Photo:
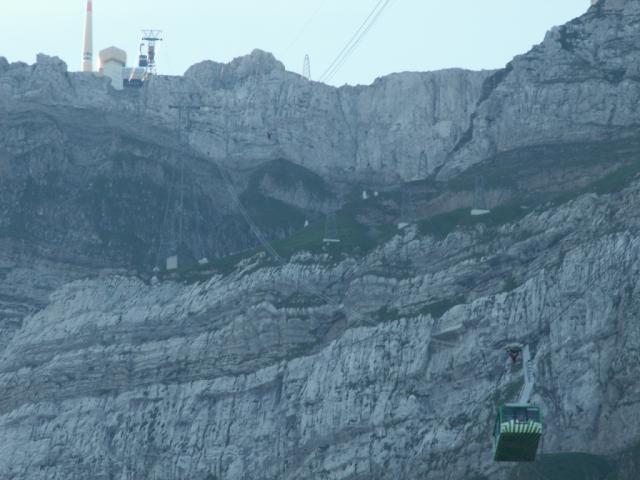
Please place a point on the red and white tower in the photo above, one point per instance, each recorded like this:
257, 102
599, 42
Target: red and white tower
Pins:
87, 55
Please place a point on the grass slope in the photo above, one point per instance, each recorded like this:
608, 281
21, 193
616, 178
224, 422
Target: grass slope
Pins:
566, 466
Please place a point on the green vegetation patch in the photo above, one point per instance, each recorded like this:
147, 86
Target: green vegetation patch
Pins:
438, 309
567, 466
386, 314
270, 213
442, 225
287, 175
510, 284
508, 169
616, 181
355, 239
300, 300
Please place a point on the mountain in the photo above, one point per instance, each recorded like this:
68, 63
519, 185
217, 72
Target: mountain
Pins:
378, 357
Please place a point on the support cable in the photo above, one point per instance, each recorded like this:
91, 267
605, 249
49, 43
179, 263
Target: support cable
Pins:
355, 40
359, 41
354, 37
305, 26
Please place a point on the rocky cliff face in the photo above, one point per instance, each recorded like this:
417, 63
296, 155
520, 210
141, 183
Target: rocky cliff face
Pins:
255, 375
376, 358
579, 85
252, 111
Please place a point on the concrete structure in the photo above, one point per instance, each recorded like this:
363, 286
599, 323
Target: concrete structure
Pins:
172, 263
478, 212
112, 63
134, 77
87, 53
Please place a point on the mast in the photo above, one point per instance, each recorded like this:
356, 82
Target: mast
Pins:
87, 55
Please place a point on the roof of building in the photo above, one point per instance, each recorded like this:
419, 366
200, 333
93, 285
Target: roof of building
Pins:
114, 54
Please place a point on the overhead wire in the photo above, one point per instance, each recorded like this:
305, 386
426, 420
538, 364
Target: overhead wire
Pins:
305, 26
355, 40
166, 228
355, 45
352, 39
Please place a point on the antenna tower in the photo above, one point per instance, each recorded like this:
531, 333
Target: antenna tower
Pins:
331, 229
479, 198
175, 212
148, 58
306, 69
423, 166
408, 212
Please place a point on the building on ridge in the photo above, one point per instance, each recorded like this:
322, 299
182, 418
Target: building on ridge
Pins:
113, 61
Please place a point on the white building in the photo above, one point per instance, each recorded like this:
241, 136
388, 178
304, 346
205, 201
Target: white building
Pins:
112, 63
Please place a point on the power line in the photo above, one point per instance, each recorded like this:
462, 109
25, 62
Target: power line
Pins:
173, 221
355, 45
355, 40
352, 39
305, 26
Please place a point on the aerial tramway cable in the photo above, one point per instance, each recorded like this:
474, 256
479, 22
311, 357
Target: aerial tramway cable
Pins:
352, 39
355, 40
305, 26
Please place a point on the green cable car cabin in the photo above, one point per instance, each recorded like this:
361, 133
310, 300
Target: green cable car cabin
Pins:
517, 433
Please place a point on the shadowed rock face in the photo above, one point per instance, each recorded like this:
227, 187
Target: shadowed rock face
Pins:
337, 366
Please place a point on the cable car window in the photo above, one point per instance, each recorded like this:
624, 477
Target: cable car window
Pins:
508, 414
533, 414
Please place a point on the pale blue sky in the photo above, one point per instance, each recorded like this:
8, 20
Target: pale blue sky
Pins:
416, 35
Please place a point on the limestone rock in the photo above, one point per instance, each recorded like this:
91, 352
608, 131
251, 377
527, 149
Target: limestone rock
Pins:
378, 363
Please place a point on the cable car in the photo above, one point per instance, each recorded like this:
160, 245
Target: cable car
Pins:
517, 433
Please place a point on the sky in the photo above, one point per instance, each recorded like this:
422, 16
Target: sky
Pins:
409, 35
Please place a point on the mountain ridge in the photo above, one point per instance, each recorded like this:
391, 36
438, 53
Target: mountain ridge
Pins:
378, 357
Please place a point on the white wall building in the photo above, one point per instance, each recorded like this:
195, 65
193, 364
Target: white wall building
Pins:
112, 63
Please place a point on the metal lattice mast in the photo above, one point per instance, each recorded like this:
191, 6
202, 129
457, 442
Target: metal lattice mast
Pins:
479, 201
174, 216
479, 198
408, 213
423, 166
184, 108
306, 69
331, 228
150, 38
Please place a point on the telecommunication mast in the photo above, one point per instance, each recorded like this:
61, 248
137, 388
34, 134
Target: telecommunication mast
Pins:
147, 58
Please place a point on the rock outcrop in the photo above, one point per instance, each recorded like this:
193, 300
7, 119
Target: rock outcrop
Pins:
380, 357
253, 111
263, 374
579, 85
